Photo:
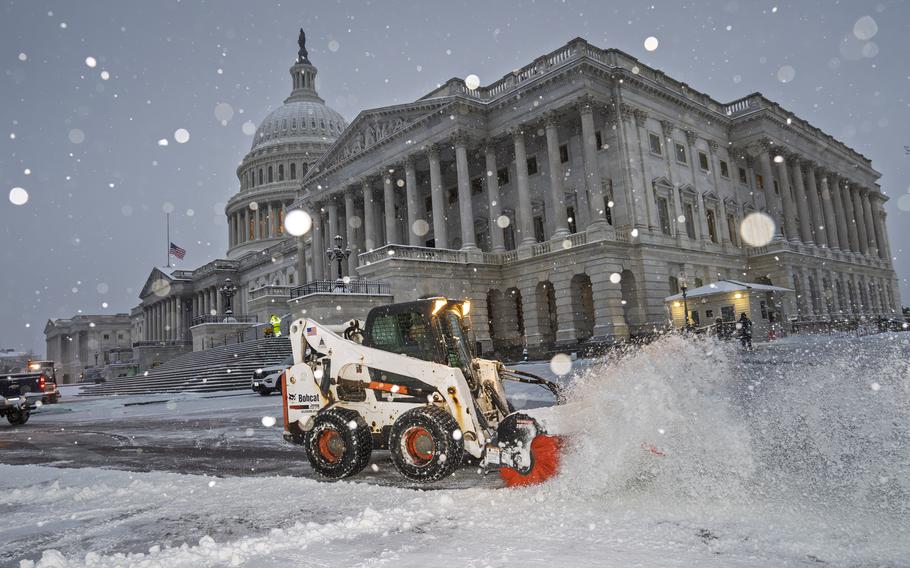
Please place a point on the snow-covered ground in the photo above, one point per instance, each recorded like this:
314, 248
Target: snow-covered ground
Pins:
794, 455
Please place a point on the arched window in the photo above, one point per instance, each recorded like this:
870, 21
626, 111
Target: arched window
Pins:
280, 172
293, 171
260, 176
304, 169
270, 175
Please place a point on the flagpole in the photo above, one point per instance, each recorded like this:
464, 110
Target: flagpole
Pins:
168, 217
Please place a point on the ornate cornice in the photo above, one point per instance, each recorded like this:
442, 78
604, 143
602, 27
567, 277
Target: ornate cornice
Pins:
691, 137
667, 128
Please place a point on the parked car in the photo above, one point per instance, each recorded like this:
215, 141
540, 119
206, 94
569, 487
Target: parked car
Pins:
892, 324
265, 381
20, 394
51, 394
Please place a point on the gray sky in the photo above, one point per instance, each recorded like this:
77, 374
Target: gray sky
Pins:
99, 182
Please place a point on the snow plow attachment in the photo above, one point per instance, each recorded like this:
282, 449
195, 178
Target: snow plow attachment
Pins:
523, 452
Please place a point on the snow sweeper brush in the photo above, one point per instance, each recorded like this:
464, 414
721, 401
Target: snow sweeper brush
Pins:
408, 381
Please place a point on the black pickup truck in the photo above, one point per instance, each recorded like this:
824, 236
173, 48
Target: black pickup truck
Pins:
20, 394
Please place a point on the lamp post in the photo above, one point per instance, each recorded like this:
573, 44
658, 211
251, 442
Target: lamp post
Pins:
338, 254
227, 292
684, 288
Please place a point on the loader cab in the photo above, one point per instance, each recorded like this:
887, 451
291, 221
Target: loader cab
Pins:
432, 329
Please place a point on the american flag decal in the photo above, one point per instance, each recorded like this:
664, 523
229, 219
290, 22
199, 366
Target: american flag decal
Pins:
177, 251
311, 330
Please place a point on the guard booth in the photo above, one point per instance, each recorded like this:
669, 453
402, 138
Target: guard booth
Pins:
727, 299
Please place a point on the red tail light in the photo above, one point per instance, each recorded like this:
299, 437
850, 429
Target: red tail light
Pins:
42, 382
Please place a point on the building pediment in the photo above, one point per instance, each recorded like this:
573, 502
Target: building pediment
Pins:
372, 127
158, 283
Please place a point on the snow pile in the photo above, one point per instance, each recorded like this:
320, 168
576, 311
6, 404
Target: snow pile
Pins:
658, 421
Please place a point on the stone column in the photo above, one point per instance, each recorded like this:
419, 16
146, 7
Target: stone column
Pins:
819, 223
349, 231
437, 195
557, 194
878, 224
822, 312
219, 301
301, 260
319, 240
332, 210
388, 202
802, 201
792, 233
850, 216
593, 180
465, 211
270, 222
246, 224
525, 223
639, 122
832, 183
869, 223
410, 183
497, 243
807, 293
772, 200
860, 219
369, 216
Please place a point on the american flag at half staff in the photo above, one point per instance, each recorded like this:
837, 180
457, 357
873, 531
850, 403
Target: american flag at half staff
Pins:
177, 251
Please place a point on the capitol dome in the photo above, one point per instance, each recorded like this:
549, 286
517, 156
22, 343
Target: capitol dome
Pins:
288, 141
301, 121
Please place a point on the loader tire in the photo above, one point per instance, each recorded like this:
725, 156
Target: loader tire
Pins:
17, 417
424, 445
339, 444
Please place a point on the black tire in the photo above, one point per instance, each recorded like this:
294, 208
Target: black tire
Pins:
264, 391
17, 417
424, 445
335, 449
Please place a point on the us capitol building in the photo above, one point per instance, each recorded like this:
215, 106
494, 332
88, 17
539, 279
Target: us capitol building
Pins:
567, 200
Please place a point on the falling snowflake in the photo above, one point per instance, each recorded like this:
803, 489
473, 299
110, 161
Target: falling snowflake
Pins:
297, 222
18, 196
561, 364
181, 136
90, 61
651, 43
268, 421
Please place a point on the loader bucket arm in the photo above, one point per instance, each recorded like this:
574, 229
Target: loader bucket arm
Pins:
532, 379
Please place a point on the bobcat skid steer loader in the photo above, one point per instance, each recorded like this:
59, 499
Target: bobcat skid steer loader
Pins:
408, 381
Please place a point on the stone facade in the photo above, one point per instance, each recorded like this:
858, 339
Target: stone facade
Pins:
567, 199
79, 342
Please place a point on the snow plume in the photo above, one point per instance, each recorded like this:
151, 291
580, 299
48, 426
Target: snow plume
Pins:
658, 421
809, 441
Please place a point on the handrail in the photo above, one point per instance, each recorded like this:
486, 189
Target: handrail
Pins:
222, 318
341, 287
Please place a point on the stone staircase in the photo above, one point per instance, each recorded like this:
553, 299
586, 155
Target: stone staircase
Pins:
229, 367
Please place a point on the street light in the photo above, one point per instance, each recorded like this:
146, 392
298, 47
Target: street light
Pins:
227, 292
338, 254
684, 288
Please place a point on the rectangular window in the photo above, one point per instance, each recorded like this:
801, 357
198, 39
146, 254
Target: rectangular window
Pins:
712, 229
564, 153
477, 186
607, 185
731, 228
654, 141
532, 165
674, 285
538, 229
743, 179
293, 171
703, 161
570, 216
764, 309
107, 336
709, 315
663, 215
598, 139
724, 169
699, 282
280, 172
502, 176
693, 315
508, 235
690, 221
727, 313
681, 153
